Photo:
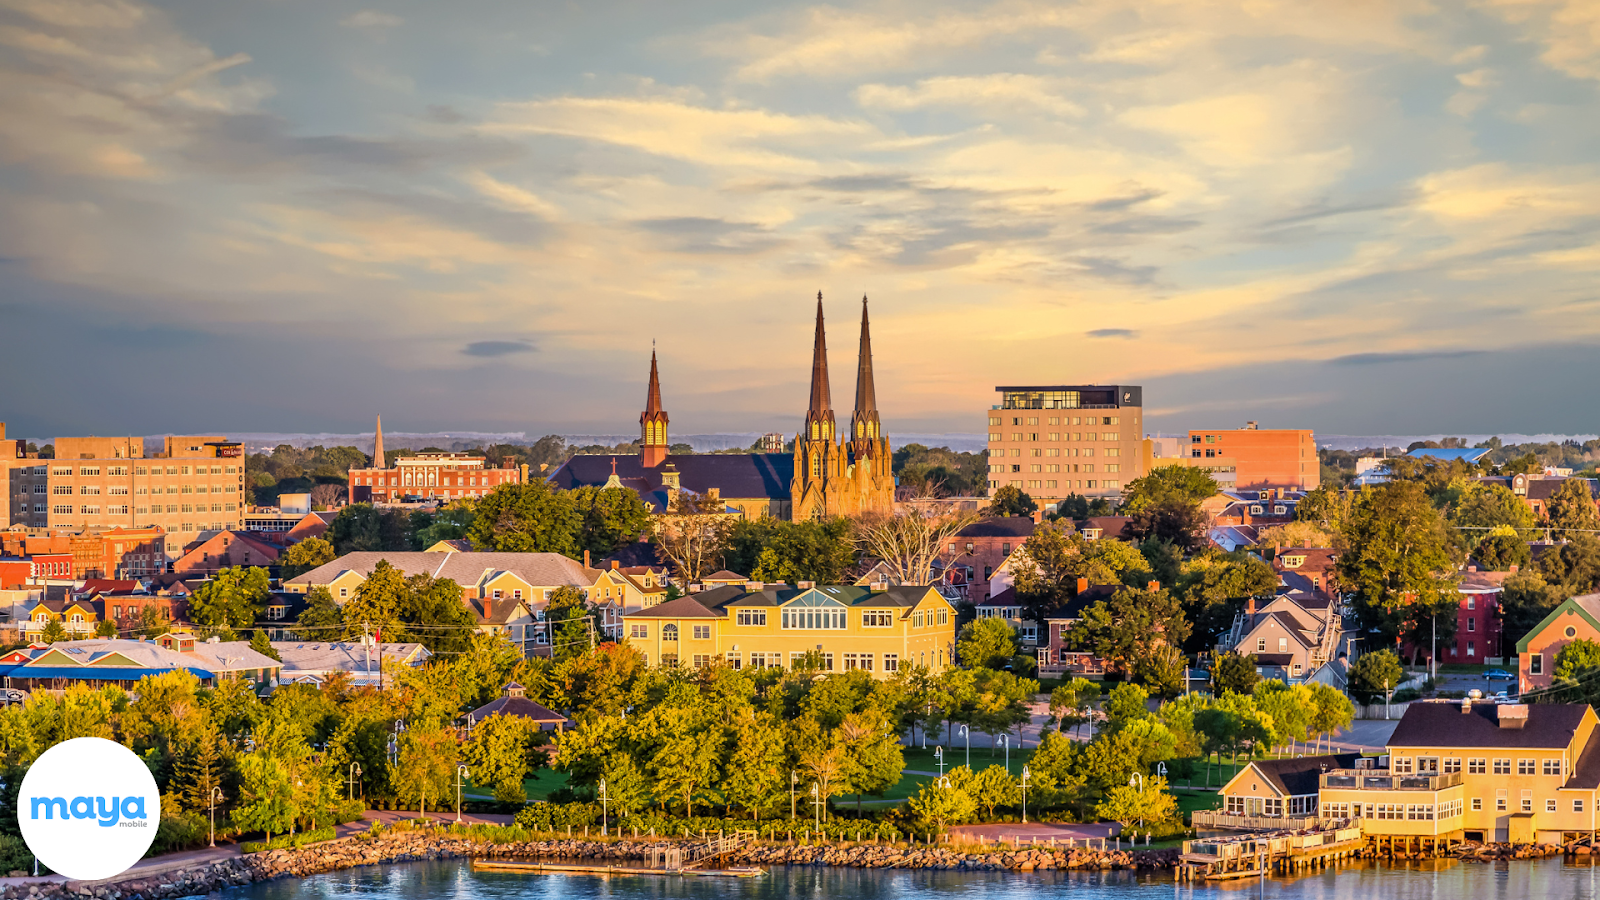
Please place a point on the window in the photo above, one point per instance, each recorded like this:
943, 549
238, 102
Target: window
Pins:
1552, 767
669, 632
638, 631
702, 660
1525, 766
1577, 806
1477, 804
702, 632
1527, 804
916, 619
1452, 764
812, 618
1401, 765
1550, 805
1536, 664
1476, 766
944, 617
1261, 645
1502, 767
344, 592
891, 663
877, 618
1500, 801
1472, 625
61, 510
752, 617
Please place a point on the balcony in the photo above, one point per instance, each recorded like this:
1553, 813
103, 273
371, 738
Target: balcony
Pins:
1221, 820
1385, 780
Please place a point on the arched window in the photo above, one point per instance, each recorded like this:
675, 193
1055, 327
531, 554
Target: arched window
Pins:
669, 632
816, 467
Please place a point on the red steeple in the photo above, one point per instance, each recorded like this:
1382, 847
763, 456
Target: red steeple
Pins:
819, 416
653, 422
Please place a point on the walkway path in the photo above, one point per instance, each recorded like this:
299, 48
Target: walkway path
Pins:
1037, 831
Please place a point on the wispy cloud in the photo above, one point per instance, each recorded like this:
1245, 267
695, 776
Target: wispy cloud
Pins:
491, 349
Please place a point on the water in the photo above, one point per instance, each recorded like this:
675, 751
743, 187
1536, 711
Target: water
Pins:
456, 881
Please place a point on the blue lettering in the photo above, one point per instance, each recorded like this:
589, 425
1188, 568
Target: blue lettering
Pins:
108, 816
49, 804
133, 808
83, 807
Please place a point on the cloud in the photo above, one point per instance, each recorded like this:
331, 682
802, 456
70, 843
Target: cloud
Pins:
1378, 359
1028, 93
1569, 30
372, 20
1112, 333
204, 70
491, 349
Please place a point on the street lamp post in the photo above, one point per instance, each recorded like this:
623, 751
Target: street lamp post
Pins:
461, 772
605, 820
1026, 774
967, 736
1137, 780
938, 757
216, 797
355, 773
816, 803
1005, 741
794, 779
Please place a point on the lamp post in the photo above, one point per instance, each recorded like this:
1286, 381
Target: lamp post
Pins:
794, 779
605, 819
355, 773
816, 803
1137, 780
967, 736
925, 726
938, 757
1005, 741
1026, 774
216, 797
461, 772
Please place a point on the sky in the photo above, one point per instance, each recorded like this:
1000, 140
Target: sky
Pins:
287, 215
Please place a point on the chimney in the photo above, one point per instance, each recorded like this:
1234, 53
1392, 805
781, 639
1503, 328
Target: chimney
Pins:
1153, 586
616, 564
586, 559
1250, 607
1472, 567
1514, 568
1083, 585
805, 585
488, 607
1512, 715
1038, 516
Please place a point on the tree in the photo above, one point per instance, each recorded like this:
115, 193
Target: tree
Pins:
570, 618
262, 645
687, 761
427, 764
233, 599
1127, 630
935, 807
1577, 659
321, 619
267, 795
872, 754
1186, 485
1500, 550
1394, 558
909, 543
693, 535
1148, 802
1125, 703
1072, 703
502, 752
1331, 710
362, 526
436, 603
987, 643
1009, 500
1374, 674
1320, 506
1571, 509
450, 523
528, 518
105, 629
377, 604
306, 555
1171, 519
1485, 505
611, 517
989, 788
774, 551
1234, 672
756, 770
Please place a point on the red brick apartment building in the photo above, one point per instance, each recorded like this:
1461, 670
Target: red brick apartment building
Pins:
1261, 457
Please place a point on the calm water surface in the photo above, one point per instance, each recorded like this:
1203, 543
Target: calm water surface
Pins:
437, 881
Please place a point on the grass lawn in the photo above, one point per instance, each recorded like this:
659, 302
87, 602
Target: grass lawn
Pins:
548, 782
982, 758
1189, 801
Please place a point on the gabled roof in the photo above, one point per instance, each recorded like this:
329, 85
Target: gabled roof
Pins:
465, 569
724, 575
1111, 527
1443, 724
521, 707
1585, 606
999, 526
736, 475
107, 586
1073, 609
344, 656
1297, 777
688, 606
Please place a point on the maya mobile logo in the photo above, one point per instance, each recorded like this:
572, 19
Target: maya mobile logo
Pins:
88, 808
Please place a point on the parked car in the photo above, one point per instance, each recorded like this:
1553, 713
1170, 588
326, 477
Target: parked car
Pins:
1501, 697
1499, 675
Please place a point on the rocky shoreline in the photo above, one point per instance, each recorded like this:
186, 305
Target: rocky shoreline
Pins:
419, 845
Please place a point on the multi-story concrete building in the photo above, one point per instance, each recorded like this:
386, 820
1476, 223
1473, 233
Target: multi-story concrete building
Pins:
1054, 441
193, 487
15, 498
1258, 457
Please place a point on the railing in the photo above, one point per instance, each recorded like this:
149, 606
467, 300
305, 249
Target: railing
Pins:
1386, 780
1221, 820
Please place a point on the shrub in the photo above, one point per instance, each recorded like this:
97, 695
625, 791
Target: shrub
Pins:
282, 841
14, 855
179, 832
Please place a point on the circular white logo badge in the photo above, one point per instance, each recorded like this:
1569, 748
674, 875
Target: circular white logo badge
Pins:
88, 808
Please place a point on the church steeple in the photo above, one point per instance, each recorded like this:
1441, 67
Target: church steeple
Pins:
864, 425
653, 422
378, 459
819, 415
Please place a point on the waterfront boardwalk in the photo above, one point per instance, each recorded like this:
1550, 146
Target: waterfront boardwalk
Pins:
1256, 855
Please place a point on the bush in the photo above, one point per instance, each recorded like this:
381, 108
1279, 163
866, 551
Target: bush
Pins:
284, 840
183, 831
14, 855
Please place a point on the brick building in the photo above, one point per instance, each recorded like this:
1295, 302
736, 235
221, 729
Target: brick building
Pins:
982, 547
194, 486
1260, 457
431, 476
224, 551
1053, 441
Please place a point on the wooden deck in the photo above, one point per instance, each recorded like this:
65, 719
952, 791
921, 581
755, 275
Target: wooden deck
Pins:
1257, 855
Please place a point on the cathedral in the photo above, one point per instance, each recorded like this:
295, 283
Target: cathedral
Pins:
848, 477
826, 475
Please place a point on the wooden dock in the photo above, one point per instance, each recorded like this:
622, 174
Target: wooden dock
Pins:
495, 865
1257, 855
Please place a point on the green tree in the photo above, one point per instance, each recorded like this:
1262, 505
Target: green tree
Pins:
528, 518
1485, 505
262, 645
233, 599
1148, 803
1577, 659
1109, 760
1186, 485
1571, 509
1394, 558
1129, 629
362, 526
436, 603
1125, 703
989, 788
611, 517
267, 795
1374, 674
450, 523
987, 643
1171, 520
1320, 506
756, 772
105, 629
306, 555
688, 759
1009, 500
569, 617
427, 762
1500, 551
935, 807
503, 752
1215, 587
321, 619
1234, 672
774, 551
378, 604
1072, 703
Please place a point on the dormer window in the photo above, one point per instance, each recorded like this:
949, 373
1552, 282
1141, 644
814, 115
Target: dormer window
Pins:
1257, 510
1279, 509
